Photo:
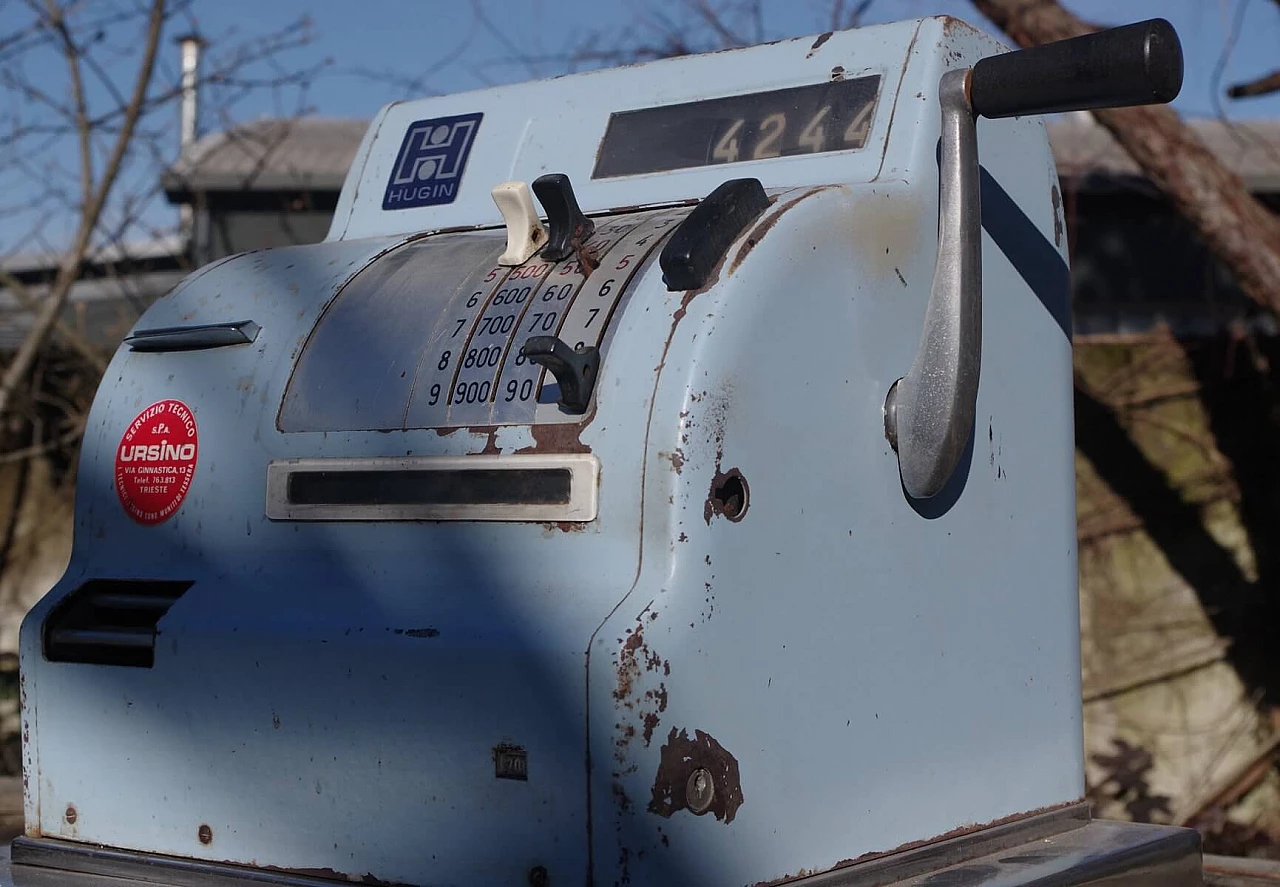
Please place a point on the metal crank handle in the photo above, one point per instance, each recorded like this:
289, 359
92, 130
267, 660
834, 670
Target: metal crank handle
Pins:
929, 412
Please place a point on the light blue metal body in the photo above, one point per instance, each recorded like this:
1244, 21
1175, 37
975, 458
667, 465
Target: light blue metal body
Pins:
328, 696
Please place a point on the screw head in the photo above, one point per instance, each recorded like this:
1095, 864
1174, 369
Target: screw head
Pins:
699, 791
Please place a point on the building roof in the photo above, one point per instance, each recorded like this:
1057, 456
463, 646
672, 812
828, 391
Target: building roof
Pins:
1085, 151
313, 154
165, 246
269, 154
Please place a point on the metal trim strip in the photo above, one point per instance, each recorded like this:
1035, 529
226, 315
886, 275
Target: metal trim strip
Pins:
581, 507
194, 338
1060, 848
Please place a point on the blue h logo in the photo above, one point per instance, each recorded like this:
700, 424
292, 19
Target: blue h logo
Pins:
429, 167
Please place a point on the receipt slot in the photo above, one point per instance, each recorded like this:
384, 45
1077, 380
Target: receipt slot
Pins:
660, 475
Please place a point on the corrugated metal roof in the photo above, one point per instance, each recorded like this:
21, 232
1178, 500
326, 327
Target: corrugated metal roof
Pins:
1085, 150
167, 246
271, 154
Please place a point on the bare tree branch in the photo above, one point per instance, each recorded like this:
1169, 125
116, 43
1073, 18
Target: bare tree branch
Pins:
90, 214
83, 131
1240, 231
1262, 86
73, 339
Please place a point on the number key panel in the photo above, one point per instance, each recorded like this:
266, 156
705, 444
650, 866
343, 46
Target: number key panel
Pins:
531, 302
428, 403
435, 330
600, 298
472, 391
516, 397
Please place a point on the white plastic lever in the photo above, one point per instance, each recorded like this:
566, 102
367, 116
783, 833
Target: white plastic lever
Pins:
525, 234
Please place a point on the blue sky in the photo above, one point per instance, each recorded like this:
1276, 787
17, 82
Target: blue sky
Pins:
373, 46
412, 37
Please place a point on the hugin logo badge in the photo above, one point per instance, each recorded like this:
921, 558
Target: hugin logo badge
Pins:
428, 169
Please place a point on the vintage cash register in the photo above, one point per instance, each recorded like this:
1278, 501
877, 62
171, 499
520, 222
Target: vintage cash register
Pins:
658, 476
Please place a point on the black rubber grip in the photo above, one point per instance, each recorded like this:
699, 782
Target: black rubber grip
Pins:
1137, 64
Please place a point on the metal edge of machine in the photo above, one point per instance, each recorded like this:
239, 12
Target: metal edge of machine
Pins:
1057, 847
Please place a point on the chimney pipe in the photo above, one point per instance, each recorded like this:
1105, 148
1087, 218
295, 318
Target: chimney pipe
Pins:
189, 125
190, 120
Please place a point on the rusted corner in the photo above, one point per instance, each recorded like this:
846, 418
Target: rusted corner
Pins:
680, 756
951, 26
817, 44
959, 832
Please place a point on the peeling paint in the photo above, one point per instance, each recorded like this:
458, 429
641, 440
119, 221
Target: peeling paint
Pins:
817, 44
729, 496
680, 757
1055, 196
419, 632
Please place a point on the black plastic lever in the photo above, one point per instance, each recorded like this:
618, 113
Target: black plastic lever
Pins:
701, 240
1138, 64
575, 370
569, 227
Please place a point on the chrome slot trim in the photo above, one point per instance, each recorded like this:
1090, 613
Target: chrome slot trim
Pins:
542, 487
194, 338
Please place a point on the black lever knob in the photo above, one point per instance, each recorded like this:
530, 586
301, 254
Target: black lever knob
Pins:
575, 369
1137, 64
702, 239
569, 227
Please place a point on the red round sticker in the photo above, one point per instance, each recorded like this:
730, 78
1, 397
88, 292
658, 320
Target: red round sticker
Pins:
156, 461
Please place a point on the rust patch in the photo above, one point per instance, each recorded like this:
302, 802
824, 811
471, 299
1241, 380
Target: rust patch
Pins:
817, 44
70, 814
635, 658
677, 459
837, 73
205, 834
565, 526
729, 496
680, 756
490, 432
1056, 196
587, 254
628, 668
560, 437
335, 875
650, 724
419, 632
